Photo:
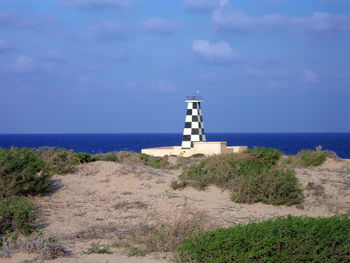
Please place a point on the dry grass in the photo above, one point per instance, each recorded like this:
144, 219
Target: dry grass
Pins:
165, 236
45, 248
316, 189
102, 231
125, 205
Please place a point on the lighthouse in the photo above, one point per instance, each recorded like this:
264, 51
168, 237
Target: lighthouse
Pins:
194, 128
193, 137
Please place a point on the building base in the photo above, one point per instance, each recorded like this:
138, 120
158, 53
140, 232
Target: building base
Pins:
206, 148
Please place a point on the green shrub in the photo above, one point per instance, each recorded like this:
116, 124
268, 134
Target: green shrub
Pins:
16, 216
285, 239
251, 177
86, 157
274, 186
109, 157
98, 249
309, 158
198, 155
128, 157
22, 172
155, 162
176, 185
59, 160
265, 156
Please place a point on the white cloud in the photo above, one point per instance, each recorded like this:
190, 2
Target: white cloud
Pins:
93, 5
323, 22
159, 25
22, 64
225, 17
218, 53
199, 5
309, 76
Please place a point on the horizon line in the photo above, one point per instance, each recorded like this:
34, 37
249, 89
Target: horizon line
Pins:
102, 133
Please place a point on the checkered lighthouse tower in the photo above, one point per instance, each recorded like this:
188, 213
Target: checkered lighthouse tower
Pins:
194, 129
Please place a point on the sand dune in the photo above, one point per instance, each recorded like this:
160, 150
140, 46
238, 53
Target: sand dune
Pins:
105, 201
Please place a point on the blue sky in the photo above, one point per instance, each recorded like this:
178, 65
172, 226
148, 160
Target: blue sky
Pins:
115, 66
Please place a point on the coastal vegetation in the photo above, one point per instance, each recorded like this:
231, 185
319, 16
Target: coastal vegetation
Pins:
257, 175
167, 236
96, 248
284, 239
253, 176
309, 158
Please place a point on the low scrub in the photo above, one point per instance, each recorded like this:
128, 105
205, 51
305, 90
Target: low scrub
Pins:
22, 172
309, 158
251, 177
97, 249
155, 162
135, 158
46, 248
16, 217
109, 157
285, 239
264, 156
166, 236
270, 186
62, 161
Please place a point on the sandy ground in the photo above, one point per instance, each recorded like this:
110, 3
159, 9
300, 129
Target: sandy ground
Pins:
104, 200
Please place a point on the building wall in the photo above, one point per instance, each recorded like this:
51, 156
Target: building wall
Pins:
206, 148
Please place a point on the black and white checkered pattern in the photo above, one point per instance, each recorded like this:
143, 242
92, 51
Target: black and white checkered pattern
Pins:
194, 129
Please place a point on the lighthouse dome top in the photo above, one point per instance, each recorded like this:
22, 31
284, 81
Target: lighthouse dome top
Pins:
194, 98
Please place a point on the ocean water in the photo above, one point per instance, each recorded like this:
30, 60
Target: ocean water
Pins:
289, 143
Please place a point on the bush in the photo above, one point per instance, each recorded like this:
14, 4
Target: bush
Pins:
275, 186
110, 157
309, 158
285, 239
251, 177
198, 155
265, 156
155, 162
16, 216
86, 157
167, 235
22, 172
47, 248
59, 160
97, 249
135, 158
176, 185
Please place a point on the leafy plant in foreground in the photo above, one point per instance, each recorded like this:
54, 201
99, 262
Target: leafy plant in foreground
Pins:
285, 239
22, 172
16, 216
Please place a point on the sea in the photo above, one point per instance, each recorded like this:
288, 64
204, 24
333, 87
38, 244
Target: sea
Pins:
288, 143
